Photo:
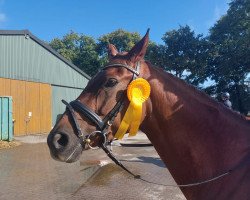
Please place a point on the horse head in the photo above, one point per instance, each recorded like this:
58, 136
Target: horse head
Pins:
94, 117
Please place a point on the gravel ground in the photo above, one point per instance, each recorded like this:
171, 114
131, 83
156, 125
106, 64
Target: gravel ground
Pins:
7, 145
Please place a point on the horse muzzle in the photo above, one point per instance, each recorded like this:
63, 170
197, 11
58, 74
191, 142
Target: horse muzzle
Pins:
64, 148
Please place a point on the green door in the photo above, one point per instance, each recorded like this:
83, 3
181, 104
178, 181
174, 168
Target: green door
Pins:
6, 124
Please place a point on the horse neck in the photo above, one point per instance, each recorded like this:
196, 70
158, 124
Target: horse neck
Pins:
194, 135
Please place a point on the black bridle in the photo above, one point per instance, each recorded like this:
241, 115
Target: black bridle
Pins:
102, 125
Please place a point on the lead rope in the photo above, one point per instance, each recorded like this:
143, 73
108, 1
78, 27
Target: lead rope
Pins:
136, 176
190, 184
117, 162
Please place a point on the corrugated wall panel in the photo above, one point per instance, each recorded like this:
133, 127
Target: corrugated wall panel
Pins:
59, 93
24, 59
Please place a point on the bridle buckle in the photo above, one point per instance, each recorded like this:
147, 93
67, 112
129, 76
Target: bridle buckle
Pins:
109, 123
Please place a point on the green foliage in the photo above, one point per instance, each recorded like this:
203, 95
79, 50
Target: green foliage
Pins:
123, 40
67, 46
87, 58
185, 54
155, 54
230, 52
80, 50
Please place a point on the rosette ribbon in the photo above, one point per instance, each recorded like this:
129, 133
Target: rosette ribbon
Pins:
138, 92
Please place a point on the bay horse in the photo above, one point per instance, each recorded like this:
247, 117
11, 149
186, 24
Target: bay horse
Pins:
195, 136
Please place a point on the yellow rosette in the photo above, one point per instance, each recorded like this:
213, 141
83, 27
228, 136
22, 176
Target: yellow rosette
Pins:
138, 92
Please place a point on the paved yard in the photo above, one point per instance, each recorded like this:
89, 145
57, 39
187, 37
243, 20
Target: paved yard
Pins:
28, 172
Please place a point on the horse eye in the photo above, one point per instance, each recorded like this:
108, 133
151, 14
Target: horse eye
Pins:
111, 82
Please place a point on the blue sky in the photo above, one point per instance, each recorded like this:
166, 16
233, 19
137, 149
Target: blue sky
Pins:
48, 19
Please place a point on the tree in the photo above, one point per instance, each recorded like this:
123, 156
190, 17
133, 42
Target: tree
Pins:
80, 50
123, 40
67, 46
230, 52
89, 56
88, 59
155, 54
184, 54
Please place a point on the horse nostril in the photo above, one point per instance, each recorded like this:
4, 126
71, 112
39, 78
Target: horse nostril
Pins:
60, 140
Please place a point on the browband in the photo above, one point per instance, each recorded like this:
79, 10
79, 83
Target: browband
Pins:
134, 71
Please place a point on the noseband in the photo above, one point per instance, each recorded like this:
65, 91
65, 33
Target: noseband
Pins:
102, 125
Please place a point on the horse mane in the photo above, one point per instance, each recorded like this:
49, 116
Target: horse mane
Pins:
205, 97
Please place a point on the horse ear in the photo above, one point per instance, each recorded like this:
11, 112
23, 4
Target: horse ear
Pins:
139, 50
112, 50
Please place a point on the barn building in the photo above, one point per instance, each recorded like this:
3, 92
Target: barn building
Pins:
37, 78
